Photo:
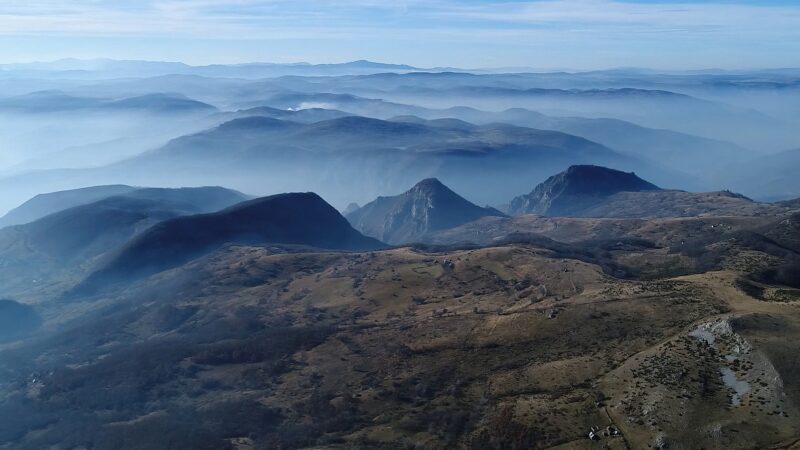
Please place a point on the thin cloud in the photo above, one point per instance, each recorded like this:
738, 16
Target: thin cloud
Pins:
260, 18
705, 16
515, 28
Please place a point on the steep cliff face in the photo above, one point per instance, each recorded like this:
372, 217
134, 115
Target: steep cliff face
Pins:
428, 206
577, 188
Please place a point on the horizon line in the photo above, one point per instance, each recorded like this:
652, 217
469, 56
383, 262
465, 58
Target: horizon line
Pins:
411, 67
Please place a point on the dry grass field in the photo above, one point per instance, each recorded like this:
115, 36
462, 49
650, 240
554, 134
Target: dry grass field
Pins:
500, 347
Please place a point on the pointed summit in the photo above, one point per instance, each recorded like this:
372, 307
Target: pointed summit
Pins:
430, 184
575, 188
428, 206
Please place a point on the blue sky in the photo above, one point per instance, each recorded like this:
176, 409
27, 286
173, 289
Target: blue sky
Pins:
547, 34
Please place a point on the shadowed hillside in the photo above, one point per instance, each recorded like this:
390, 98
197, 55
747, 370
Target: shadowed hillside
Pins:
69, 241
298, 218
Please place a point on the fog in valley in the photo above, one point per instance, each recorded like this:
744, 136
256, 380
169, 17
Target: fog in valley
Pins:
65, 127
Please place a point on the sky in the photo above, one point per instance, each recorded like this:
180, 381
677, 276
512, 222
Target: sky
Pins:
546, 34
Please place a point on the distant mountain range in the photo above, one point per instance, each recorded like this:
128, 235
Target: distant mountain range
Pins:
58, 101
428, 206
443, 124
675, 149
679, 151
360, 155
342, 155
667, 106
110, 68
74, 66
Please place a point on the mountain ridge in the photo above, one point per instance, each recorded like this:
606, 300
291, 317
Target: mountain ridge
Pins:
45, 204
291, 218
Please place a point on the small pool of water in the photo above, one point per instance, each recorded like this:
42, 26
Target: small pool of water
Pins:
740, 388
